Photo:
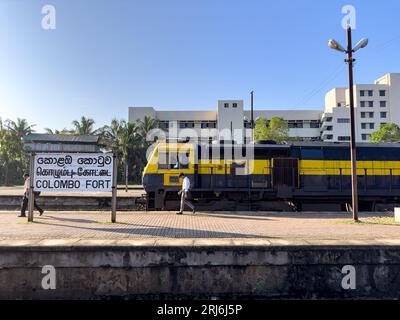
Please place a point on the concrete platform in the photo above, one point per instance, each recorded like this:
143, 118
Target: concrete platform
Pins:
206, 255
10, 199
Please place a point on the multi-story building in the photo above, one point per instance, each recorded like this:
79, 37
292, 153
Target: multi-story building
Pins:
375, 104
229, 122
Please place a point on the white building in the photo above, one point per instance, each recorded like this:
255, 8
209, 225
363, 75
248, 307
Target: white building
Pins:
229, 122
375, 104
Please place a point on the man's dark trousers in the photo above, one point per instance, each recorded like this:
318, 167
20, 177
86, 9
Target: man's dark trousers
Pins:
24, 204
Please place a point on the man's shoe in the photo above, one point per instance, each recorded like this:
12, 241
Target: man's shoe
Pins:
22, 216
41, 212
179, 212
194, 211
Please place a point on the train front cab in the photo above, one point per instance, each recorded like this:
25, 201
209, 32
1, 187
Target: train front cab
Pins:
161, 174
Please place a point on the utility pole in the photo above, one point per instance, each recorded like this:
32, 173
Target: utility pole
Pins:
333, 44
353, 157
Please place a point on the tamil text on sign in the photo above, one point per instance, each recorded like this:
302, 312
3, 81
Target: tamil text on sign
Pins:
73, 172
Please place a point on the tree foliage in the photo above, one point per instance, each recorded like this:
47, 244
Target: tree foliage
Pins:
83, 126
276, 129
389, 132
126, 139
13, 160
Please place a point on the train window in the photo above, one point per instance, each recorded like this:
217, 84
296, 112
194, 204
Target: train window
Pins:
167, 160
184, 160
163, 160
173, 160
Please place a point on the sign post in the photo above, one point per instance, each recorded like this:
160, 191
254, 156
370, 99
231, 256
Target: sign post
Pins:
114, 192
31, 198
73, 172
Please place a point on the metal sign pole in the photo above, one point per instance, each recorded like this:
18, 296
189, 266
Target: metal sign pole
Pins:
30, 193
114, 191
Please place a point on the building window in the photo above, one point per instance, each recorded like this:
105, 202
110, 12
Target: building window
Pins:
295, 123
364, 114
370, 93
383, 114
343, 138
329, 128
370, 104
365, 125
382, 124
362, 104
362, 93
365, 136
343, 120
382, 93
247, 124
234, 105
186, 124
226, 105
164, 125
315, 124
382, 104
208, 124
329, 136
328, 119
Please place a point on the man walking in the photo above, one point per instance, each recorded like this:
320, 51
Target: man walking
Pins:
25, 199
184, 192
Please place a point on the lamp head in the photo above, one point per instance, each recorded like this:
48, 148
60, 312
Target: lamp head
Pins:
333, 44
361, 44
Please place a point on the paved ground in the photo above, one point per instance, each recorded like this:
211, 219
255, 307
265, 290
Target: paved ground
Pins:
254, 226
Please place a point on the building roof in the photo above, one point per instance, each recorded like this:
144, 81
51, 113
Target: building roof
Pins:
61, 138
193, 115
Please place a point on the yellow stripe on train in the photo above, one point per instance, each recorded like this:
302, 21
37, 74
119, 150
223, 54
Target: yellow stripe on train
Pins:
260, 167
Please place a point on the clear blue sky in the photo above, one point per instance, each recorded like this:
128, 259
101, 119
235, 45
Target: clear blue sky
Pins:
182, 54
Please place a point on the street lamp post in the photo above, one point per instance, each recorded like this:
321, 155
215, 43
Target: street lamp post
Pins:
350, 60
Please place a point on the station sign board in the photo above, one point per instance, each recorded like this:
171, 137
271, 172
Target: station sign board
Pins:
73, 172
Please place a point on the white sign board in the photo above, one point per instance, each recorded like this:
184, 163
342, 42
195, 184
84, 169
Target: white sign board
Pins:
73, 172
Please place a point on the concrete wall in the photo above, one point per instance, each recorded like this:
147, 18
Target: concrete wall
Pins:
196, 269
139, 113
70, 202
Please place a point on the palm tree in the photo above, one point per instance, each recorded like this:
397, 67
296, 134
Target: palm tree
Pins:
56, 131
122, 138
145, 126
20, 128
129, 139
84, 126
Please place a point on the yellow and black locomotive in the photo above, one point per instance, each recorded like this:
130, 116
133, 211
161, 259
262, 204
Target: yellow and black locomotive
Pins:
299, 175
